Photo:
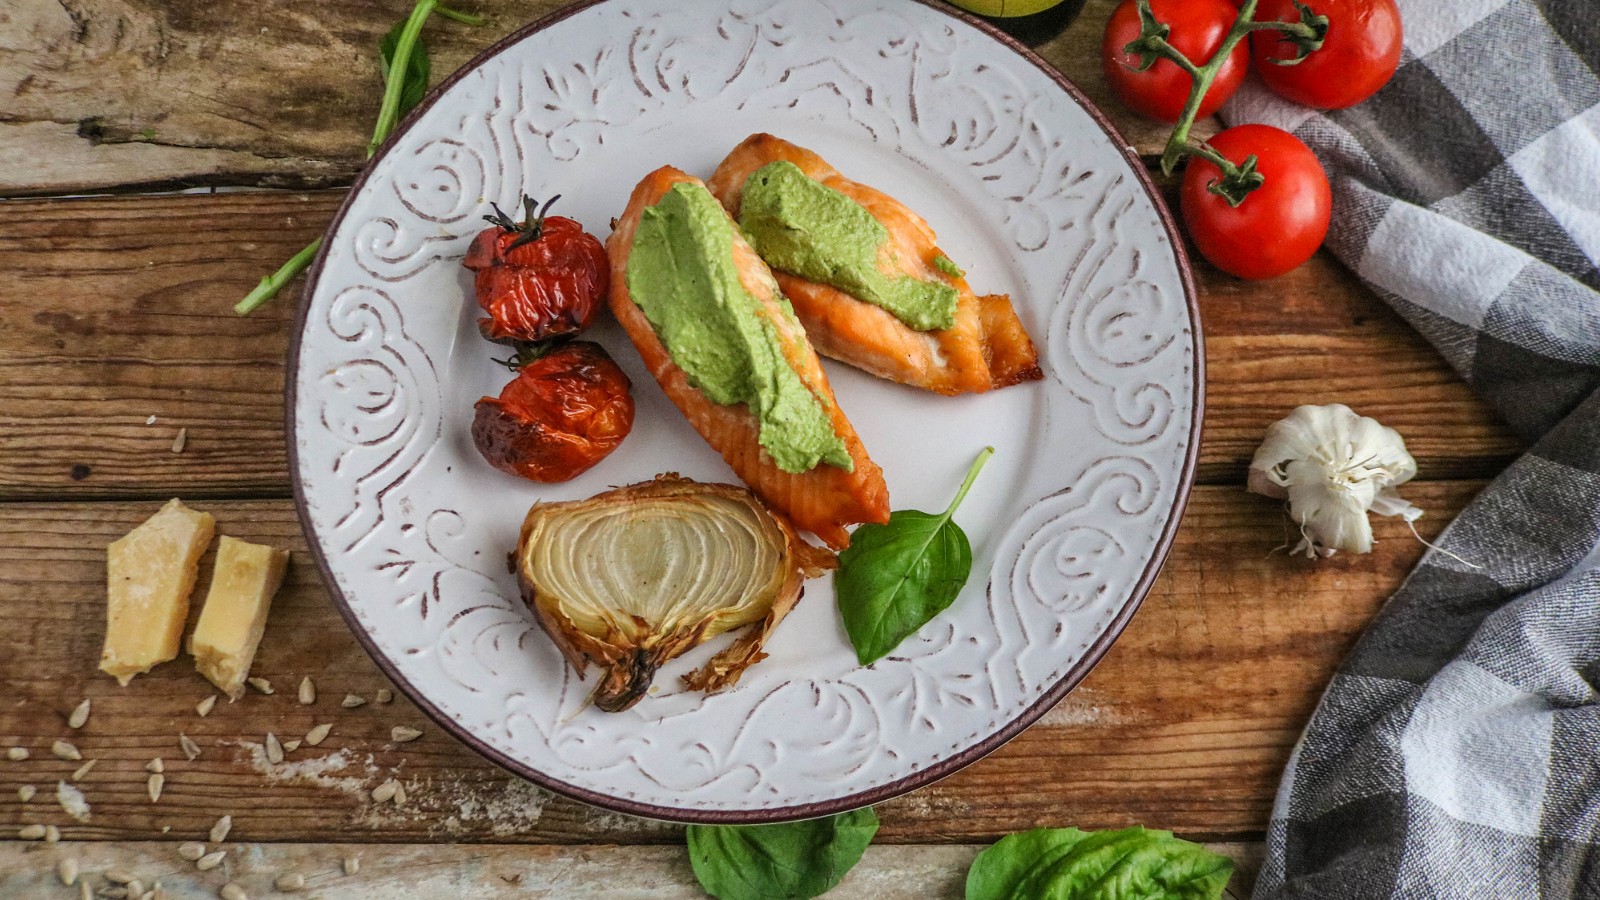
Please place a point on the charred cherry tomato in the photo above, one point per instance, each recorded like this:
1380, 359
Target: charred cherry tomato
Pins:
1359, 53
1278, 225
1198, 29
564, 412
539, 278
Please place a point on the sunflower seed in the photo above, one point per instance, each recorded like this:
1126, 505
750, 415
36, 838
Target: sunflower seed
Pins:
84, 770
260, 684
204, 706
152, 895
153, 786
17, 754
231, 891
117, 876
135, 889
385, 695
191, 850
84, 892
219, 831
31, 832
52, 834
67, 870
64, 750
79, 716
274, 749
318, 734
179, 442
291, 746
290, 883
308, 691
191, 750
155, 766
113, 893
71, 800
383, 793
352, 864
403, 733
399, 794
26, 792
351, 701
210, 860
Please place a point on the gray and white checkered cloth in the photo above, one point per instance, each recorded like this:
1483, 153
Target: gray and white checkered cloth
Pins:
1456, 752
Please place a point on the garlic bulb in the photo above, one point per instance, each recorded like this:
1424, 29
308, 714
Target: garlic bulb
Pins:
1333, 466
633, 577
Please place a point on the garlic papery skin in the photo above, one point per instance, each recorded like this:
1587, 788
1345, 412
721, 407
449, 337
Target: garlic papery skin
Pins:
1333, 466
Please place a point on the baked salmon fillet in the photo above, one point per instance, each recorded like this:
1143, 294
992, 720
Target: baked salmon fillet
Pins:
827, 496
982, 346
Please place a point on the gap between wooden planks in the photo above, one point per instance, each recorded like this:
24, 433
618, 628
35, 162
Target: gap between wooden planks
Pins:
1186, 724
113, 94
121, 308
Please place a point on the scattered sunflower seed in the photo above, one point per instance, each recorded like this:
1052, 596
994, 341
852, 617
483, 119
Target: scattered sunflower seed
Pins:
155, 766
352, 864
17, 754
113, 893
231, 891
399, 794
191, 850
308, 691
191, 750
383, 793
31, 832
291, 746
154, 785
403, 733
219, 831
72, 801
67, 870
204, 706
274, 749
117, 876
210, 860
84, 770
385, 695
151, 420
26, 792
260, 684
64, 750
80, 715
351, 701
135, 889
290, 883
52, 834
318, 734
84, 891
179, 442
152, 895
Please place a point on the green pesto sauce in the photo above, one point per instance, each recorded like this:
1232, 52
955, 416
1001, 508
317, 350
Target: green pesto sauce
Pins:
806, 228
948, 266
682, 275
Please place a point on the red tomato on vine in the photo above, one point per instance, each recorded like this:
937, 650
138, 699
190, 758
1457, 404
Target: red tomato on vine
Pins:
1198, 28
1359, 53
1277, 226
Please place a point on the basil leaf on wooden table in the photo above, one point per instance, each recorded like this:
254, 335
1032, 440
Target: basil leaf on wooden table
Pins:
790, 861
894, 577
1068, 864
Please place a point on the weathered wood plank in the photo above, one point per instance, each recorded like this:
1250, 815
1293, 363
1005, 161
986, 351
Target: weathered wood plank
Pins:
451, 872
118, 93
121, 308
1186, 724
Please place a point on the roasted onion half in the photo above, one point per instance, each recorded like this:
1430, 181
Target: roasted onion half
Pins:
636, 576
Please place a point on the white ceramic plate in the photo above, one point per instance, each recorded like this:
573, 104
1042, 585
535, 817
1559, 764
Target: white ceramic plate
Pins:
1029, 191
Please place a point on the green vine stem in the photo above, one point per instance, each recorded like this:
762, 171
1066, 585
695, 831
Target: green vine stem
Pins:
388, 117
1237, 180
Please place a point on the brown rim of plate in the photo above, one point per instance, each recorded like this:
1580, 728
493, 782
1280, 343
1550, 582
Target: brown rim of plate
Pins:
919, 778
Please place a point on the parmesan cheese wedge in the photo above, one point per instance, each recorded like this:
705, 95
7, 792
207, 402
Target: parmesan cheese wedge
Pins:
150, 573
235, 615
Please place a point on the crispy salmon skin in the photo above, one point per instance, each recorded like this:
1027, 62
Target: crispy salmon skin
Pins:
985, 348
824, 499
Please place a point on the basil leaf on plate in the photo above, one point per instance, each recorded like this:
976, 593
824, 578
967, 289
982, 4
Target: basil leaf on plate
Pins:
1068, 864
414, 76
789, 861
895, 577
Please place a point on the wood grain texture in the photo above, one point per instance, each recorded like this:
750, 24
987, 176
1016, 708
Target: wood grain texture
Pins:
454, 872
121, 308
1186, 724
135, 93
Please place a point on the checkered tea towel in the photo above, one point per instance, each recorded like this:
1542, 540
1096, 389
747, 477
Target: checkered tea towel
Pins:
1456, 753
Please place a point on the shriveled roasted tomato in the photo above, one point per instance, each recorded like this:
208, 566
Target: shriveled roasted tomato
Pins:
539, 278
1358, 53
564, 412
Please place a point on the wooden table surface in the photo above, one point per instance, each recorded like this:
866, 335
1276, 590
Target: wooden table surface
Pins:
116, 303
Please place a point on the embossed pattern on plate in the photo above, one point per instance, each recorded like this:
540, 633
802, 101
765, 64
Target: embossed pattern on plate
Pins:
1029, 192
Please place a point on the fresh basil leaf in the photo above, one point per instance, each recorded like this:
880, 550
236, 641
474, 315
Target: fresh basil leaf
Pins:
895, 577
1068, 864
415, 72
791, 861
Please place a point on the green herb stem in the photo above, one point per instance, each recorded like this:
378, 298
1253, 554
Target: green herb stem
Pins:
271, 284
456, 15
394, 84
966, 484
